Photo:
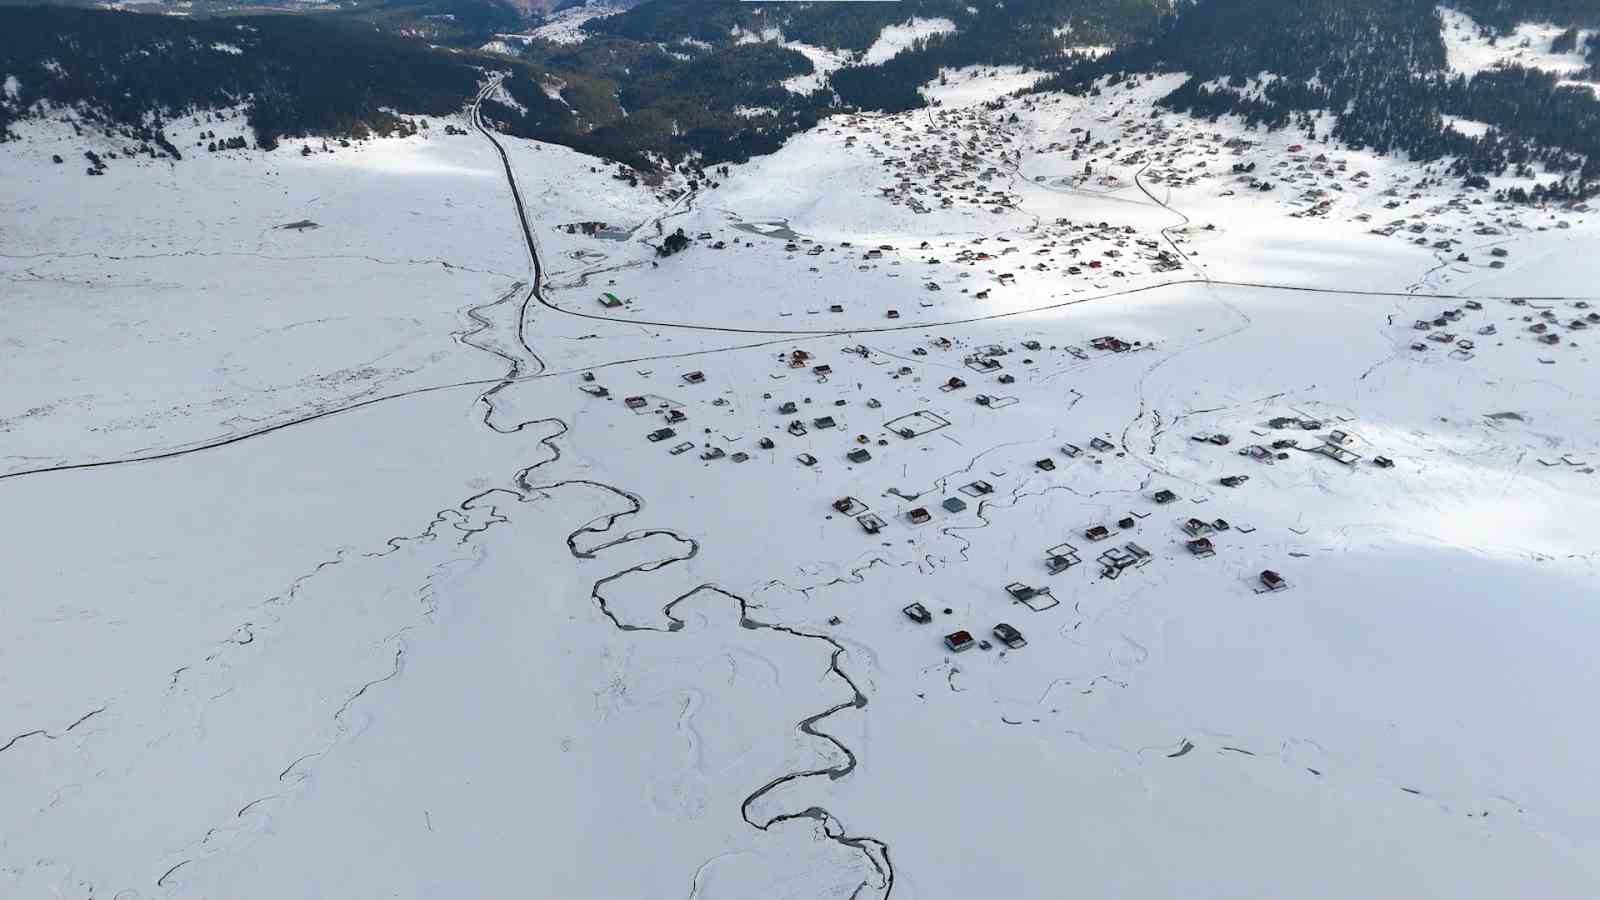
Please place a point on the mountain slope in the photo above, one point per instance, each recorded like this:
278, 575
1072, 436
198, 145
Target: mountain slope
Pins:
1380, 67
294, 75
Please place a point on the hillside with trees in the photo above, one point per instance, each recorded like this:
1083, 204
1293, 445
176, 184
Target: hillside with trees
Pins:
1504, 15
1381, 66
673, 78
296, 76
305, 76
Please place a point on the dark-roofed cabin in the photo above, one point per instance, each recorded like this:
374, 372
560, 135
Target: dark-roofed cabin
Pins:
1009, 636
1020, 591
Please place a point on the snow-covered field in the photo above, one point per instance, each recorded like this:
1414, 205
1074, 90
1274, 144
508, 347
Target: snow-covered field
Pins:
566, 26
824, 62
979, 84
452, 624
896, 38
1531, 45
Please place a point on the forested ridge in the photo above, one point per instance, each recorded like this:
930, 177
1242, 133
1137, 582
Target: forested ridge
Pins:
1380, 66
1038, 34
714, 78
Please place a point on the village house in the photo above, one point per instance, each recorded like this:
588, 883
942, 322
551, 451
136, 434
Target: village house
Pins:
1009, 636
959, 641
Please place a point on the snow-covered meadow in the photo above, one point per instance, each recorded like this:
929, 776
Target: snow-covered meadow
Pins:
455, 625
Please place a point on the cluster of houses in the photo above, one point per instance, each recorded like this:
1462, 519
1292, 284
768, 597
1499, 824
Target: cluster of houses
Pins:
587, 229
1431, 210
948, 159
1442, 227
810, 400
1337, 444
1544, 321
1549, 327
1118, 556
958, 159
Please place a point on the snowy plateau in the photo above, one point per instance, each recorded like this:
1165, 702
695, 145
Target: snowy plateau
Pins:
379, 526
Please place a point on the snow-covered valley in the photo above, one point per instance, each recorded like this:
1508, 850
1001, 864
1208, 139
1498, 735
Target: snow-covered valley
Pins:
394, 557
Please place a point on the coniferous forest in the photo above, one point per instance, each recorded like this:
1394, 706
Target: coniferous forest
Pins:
674, 78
